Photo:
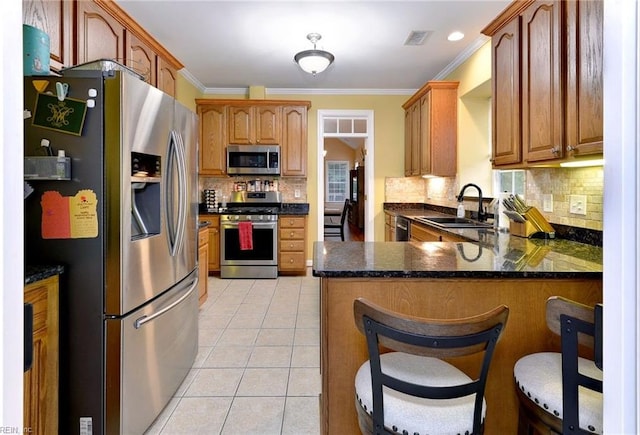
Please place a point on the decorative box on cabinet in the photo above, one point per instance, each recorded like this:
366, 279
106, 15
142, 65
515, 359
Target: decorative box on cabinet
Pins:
55, 18
558, 114
40, 396
203, 264
431, 125
292, 231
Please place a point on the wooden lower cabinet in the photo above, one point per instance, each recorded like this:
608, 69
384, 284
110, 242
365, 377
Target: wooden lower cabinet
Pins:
203, 264
40, 398
214, 241
423, 233
292, 236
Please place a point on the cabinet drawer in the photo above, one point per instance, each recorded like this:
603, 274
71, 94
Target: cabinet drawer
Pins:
292, 222
292, 245
291, 261
291, 233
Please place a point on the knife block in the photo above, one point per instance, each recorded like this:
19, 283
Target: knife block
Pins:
522, 229
529, 230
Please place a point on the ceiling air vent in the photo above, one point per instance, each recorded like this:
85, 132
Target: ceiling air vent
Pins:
417, 37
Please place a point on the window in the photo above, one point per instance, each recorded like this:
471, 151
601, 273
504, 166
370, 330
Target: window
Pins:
510, 181
337, 189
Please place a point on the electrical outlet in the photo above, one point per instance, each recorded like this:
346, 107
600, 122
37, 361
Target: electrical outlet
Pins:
296, 193
547, 202
578, 204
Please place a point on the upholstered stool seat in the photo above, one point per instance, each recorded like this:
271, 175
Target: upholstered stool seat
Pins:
539, 377
414, 415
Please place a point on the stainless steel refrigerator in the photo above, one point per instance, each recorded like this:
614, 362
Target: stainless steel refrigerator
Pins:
124, 227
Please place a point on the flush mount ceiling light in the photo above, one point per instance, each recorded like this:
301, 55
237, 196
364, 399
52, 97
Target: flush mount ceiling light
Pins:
455, 36
314, 61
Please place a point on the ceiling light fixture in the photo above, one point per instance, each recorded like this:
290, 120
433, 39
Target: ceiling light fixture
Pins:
455, 36
314, 61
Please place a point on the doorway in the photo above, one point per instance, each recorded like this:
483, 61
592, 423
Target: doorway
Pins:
354, 128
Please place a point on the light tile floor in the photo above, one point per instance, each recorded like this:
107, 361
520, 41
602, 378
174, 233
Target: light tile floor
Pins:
257, 368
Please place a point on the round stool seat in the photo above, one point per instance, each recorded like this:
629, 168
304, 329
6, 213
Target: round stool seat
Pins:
539, 377
414, 415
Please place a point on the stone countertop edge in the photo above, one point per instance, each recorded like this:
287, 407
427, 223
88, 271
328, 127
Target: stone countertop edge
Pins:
33, 273
292, 208
522, 259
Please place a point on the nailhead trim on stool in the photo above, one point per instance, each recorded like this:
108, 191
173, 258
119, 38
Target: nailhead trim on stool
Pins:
539, 377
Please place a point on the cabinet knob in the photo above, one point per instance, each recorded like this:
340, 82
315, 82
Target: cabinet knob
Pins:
570, 148
291, 260
291, 234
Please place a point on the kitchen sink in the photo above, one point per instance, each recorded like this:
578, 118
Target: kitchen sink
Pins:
452, 222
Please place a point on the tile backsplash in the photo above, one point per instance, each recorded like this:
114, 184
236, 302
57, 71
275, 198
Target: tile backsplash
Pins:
560, 182
288, 186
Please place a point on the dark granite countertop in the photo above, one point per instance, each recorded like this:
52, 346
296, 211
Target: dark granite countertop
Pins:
288, 208
36, 273
507, 257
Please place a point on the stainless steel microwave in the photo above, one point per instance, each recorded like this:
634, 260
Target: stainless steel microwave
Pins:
253, 159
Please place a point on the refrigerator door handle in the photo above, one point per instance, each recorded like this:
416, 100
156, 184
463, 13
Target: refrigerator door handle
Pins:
176, 226
182, 189
138, 323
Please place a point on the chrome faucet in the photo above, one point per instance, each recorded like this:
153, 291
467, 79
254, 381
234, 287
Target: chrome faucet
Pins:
481, 215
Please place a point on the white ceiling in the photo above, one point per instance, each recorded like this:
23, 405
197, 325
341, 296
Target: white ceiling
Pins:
236, 44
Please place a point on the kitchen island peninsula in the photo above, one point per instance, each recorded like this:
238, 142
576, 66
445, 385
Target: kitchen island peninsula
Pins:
446, 280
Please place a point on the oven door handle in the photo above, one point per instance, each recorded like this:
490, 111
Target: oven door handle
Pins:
254, 224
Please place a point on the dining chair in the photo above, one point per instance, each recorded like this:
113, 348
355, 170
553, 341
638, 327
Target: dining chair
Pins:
334, 229
407, 387
561, 392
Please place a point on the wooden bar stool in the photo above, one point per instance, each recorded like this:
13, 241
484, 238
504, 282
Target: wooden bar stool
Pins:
422, 393
551, 401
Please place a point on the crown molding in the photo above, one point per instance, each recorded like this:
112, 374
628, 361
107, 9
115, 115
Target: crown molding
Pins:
310, 91
191, 79
462, 57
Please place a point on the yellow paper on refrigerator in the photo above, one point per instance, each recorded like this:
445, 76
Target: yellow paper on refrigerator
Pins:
83, 214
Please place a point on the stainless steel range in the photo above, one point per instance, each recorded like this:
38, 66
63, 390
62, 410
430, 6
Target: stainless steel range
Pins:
252, 216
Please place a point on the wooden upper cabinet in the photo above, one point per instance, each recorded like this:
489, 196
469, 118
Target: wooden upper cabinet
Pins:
140, 58
407, 143
431, 130
505, 70
294, 141
254, 125
542, 115
54, 17
213, 139
166, 76
547, 82
99, 35
584, 102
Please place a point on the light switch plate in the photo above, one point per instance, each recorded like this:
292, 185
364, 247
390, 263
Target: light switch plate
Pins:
578, 204
547, 202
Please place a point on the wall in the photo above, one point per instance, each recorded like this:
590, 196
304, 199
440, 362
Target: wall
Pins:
186, 92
